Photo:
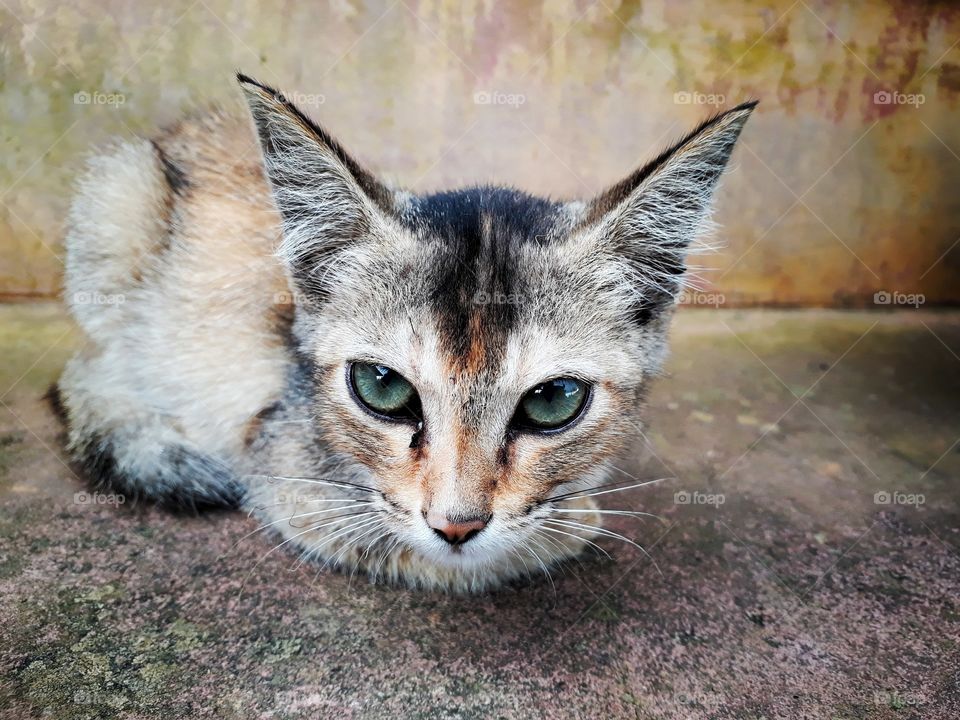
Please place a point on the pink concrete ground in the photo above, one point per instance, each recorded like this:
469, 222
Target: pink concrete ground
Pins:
802, 595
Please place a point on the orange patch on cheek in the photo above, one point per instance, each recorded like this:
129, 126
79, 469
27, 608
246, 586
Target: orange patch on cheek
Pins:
517, 480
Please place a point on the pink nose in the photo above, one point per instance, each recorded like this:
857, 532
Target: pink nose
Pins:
455, 533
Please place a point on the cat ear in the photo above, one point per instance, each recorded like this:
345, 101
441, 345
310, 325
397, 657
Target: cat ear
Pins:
648, 220
327, 201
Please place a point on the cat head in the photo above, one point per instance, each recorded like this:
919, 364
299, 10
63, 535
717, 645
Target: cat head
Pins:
479, 351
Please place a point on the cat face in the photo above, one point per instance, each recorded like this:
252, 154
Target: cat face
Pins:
478, 352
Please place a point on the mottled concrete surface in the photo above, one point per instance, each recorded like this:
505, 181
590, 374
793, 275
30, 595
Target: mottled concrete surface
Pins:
797, 597
843, 183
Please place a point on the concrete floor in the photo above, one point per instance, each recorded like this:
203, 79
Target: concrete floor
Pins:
802, 595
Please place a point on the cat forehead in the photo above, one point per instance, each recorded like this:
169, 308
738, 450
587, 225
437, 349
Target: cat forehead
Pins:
490, 258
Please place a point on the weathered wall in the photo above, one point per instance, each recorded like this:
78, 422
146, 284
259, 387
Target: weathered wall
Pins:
836, 194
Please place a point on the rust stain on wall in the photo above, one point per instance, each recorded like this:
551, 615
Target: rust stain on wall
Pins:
844, 185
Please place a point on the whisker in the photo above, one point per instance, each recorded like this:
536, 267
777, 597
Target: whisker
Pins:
304, 501
370, 546
315, 481
334, 533
627, 513
520, 557
545, 571
582, 539
294, 537
327, 521
383, 558
313, 552
576, 495
559, 548
296, 517
350, 544
608, 533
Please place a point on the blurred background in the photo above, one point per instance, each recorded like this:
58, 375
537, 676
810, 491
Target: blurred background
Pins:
843, 190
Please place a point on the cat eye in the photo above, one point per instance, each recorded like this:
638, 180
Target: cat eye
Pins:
551, 405
384, 392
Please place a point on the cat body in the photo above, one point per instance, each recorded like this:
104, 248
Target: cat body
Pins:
420, 388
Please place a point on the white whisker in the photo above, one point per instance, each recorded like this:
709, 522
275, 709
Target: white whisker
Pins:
350, 544
294, 537
386, 554
297, 517
627, 513
543, 567
607, 533
334, 533
385, 534
313, 481
582, 539
526, 567
303, 501
578, 495
559, 548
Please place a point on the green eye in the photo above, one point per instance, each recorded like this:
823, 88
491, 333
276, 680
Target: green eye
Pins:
552, 404
384, 391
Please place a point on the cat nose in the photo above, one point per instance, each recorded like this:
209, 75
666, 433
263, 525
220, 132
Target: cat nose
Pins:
455, 532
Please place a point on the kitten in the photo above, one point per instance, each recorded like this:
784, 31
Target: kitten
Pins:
420, 388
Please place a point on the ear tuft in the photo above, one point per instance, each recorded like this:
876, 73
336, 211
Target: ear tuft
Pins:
649, 219
327, 201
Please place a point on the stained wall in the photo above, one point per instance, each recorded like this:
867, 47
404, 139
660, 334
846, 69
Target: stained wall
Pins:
845, 183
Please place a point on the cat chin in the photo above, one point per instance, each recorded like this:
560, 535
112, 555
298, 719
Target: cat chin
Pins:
464, 558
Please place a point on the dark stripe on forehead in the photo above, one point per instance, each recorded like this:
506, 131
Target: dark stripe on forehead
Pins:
456, 216
478, 282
